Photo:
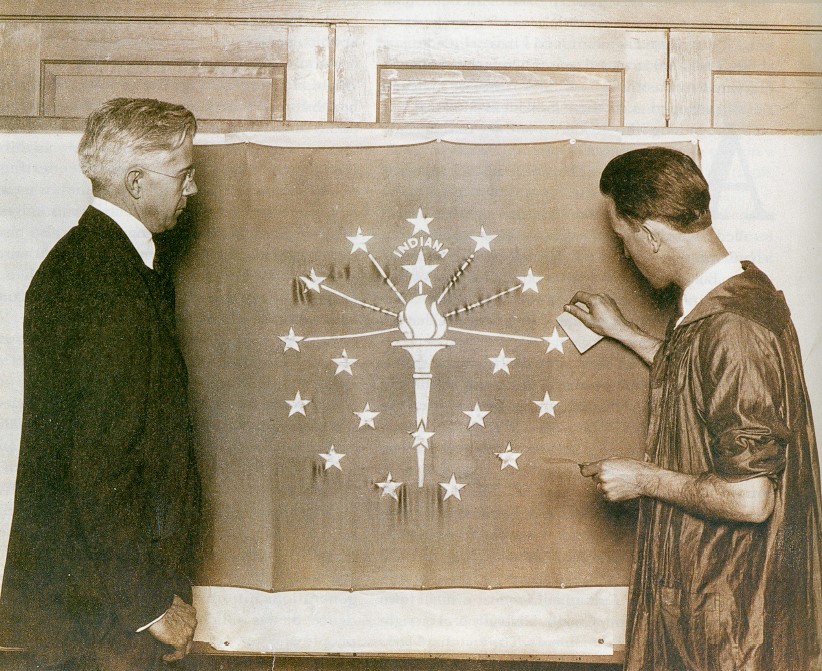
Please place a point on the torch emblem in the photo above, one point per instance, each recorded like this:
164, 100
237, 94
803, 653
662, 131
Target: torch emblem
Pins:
423, 328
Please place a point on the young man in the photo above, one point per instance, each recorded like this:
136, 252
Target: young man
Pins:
107, 496
727, 561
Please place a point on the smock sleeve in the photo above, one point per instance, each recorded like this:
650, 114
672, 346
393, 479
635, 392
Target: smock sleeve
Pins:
743, 398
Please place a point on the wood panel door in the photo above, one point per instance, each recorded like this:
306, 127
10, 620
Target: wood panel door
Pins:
500, 75
746, 79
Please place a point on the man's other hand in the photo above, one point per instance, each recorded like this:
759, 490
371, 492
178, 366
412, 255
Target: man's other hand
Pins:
619, 479
176, 628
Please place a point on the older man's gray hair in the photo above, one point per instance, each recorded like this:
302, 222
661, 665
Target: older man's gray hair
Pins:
124, 130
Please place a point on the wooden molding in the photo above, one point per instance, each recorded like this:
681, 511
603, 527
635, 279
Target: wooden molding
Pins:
739, 15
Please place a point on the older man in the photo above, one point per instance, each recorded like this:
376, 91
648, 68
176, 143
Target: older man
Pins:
727, 561
107, 498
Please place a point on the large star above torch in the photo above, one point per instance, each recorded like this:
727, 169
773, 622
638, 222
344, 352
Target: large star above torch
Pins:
420, 271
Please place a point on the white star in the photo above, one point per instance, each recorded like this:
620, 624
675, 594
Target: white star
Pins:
344, 363
452, 488
332, 458
367, 417
420, 271
298, 405
508, 458
421, 436
554, 341
358, 241
483, 240
476, 416
501, 361
313, 281
529, 281
389, 488
546, 406
420, 223
291, 341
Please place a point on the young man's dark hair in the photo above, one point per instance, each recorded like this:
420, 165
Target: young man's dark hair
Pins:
659, 184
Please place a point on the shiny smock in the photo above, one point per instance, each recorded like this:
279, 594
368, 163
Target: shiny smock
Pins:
728, 397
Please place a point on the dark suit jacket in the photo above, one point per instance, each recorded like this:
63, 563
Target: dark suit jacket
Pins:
107, 495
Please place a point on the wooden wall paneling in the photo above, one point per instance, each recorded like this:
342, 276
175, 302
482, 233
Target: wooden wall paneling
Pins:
746, 79
767, 51
72, 90
309, 73
565, 73
166, 41
20, 71
355, 74
691, 95
214, 55
779, 101
494, 96
221, 71
645, 63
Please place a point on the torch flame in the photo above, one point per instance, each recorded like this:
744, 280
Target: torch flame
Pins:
419, 322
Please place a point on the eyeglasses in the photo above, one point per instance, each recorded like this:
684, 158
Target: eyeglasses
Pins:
188, 172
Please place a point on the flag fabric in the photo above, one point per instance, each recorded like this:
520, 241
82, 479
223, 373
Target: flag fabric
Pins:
362, 321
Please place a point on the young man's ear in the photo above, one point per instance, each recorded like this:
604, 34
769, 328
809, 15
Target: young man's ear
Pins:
134, 182
652, 235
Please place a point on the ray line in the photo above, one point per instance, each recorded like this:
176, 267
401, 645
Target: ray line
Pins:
455, 277
495, 335
385, 277
467, 308
358, 302
349, 335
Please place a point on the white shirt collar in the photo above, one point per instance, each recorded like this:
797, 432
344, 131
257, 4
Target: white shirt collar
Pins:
137, 233
705, 283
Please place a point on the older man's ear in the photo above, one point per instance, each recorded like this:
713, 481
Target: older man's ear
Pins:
134, 182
